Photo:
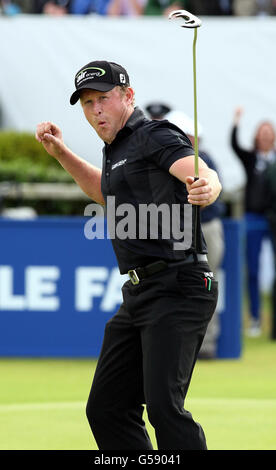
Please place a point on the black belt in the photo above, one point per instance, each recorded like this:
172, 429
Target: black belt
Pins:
137, 274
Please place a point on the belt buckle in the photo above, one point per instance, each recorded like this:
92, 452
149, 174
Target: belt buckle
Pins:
133, 277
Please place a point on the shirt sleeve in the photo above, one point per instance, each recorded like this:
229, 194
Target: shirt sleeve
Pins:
167, 144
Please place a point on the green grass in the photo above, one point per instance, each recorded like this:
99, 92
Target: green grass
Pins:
42, 402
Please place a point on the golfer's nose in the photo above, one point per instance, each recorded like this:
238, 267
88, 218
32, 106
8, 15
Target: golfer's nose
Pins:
97, 108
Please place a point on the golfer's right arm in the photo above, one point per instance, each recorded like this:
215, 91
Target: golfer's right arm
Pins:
87, 176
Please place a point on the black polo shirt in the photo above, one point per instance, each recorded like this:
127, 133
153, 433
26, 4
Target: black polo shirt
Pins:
135, 177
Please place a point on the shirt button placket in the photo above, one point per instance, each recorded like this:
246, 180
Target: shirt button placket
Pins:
107, 172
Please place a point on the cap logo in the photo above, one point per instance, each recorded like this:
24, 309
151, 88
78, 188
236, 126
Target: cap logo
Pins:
89, 74
122, 78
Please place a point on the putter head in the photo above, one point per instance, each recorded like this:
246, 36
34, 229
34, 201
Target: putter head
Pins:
190, 21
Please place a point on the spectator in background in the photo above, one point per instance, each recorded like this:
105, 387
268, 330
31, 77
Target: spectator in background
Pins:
8, 7
270, 208
52, 7
212, 7
157, 110
226, 7
212, 229
126, 7
197, 7
84, 7
255, 162
244, 7
254, 7
164, 7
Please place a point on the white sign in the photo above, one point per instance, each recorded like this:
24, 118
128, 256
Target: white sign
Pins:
41, 285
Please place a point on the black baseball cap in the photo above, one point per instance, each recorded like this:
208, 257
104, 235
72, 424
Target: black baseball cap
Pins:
99, 75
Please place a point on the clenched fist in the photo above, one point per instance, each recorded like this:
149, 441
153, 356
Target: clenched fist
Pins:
50, 136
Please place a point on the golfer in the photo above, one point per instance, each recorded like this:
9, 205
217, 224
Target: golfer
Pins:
151, 344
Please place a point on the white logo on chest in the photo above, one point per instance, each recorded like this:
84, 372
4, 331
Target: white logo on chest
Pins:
120, 163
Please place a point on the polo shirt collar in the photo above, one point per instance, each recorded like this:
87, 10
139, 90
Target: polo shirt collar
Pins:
134, 121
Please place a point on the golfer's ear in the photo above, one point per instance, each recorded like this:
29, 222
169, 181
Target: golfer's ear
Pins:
130, 95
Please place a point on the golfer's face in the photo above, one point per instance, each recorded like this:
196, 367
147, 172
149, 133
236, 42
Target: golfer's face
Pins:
107, 112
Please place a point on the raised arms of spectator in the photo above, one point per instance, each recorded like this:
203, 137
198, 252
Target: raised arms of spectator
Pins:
242, 153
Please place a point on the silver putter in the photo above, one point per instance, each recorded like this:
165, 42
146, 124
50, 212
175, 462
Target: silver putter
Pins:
191, 21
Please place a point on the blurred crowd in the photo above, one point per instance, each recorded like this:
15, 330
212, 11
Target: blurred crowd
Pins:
138, 7
259, 212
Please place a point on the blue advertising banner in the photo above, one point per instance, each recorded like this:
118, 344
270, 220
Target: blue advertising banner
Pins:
231, 290
59, 288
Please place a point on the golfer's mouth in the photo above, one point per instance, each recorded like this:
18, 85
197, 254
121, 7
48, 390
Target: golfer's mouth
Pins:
102, 123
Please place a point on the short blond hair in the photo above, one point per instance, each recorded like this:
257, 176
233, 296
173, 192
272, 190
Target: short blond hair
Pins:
123, 89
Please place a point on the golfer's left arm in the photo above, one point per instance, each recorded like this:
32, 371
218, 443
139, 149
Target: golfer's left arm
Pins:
206, 189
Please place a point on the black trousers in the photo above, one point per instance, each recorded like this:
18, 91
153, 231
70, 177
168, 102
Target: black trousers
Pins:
149, 351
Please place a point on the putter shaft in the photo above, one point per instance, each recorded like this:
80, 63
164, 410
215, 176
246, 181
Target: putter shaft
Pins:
191, 21
195, 104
